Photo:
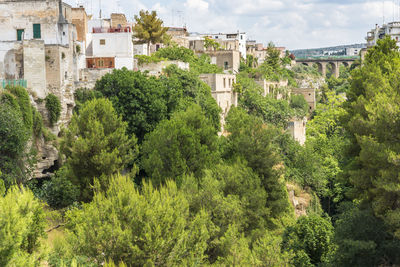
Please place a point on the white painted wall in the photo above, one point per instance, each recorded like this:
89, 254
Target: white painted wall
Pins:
121, 62
140, 49
117, 44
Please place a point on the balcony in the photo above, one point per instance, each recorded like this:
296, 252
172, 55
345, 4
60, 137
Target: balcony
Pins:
111, 30
4, 83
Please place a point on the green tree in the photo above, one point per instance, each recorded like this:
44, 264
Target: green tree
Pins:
151, 227
271, 110
273, 56
231, 194
13, 140
187, 143
139, 99
310, 239
22, 224
208, 42
254, 142
363, 239
299, 104
373, 120
96, 145
148, 29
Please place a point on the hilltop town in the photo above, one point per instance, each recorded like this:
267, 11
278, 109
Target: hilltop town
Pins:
125, 142
54, 48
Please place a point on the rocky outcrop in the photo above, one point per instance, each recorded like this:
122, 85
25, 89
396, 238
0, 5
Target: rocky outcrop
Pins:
300, 199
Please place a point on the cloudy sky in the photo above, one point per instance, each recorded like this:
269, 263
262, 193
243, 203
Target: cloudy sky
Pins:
291, 23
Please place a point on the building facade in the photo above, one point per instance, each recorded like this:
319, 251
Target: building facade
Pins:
222, 90
379, 32
230, 41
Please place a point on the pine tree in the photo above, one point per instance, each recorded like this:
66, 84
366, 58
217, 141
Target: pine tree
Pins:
149, 29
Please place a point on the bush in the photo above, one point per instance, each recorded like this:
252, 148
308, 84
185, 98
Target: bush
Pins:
299, 104
53, 106
59, 192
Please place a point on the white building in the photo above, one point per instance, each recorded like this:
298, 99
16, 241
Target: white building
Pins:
109, 47
239, 36
392, 29
353, 51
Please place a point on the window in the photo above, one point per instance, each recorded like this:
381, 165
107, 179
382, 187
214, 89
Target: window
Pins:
224, 82
102, 41
20, 33
226, 65
101, 63
36, 31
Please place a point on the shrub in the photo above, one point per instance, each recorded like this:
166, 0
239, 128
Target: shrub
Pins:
59, 192
53, 106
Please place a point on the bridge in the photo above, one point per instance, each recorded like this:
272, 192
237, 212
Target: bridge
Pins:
324, 62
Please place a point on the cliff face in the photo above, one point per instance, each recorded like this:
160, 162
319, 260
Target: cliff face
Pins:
47, 146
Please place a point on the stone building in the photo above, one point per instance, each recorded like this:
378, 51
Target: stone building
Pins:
222, 91
309, 95
274, 88
38, 45
230, 41
297, 129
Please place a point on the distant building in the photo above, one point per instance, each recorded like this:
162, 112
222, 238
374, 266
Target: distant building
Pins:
309, 95
353, 51
297, 129
379, 32
259, 52
223, 92
230, 41
109, 43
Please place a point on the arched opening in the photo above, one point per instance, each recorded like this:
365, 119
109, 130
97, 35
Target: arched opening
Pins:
331, 70
344, 70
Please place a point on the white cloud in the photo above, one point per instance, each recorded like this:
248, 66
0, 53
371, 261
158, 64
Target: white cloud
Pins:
290, 23
197, 5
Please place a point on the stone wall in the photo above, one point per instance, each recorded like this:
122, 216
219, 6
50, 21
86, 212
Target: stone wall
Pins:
118, 19
11, 60
23, 14
88, 77
35, 67
222, 91
79, 18
297, 129
228, 60
157, 68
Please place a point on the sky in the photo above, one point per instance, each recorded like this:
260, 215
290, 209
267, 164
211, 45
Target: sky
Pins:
295, 24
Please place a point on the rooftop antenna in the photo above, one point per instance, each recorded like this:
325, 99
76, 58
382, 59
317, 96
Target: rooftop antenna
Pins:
383, 11
173, 21
393, 9
180, 17
100, 9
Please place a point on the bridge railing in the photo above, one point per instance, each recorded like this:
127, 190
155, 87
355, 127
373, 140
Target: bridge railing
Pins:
328, 58
4, 83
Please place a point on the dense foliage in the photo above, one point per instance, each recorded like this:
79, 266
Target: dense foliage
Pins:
198, 64
53, 106
22, 224
186, 193
143, 101
185, 144
96, 146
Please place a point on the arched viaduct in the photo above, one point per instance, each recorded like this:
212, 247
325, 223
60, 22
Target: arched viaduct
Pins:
324, 62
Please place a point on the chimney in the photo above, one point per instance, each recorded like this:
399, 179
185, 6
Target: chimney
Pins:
61, 18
